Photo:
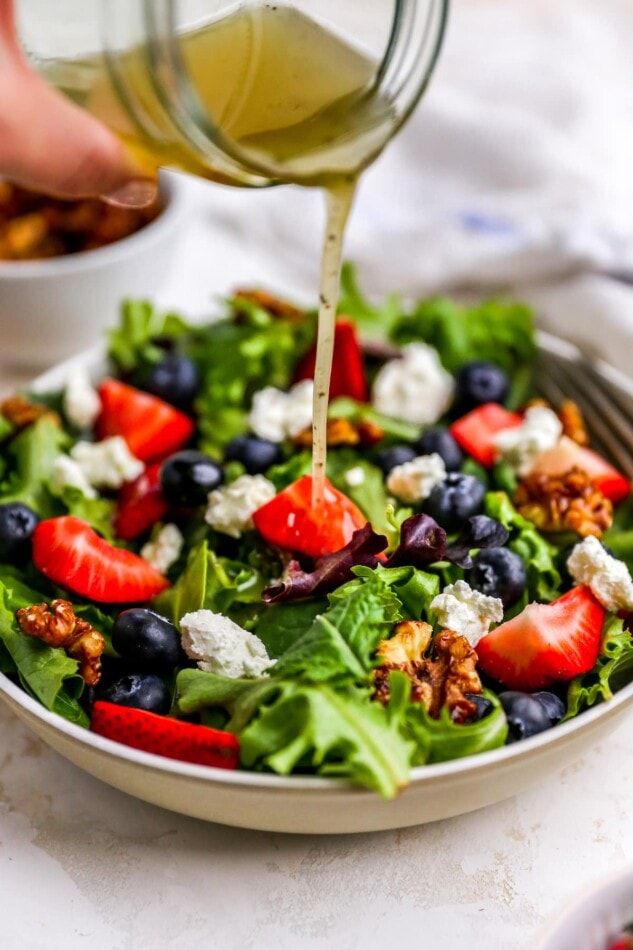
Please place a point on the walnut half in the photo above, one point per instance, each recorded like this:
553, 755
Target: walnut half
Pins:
58, 626
568, 502
438, 682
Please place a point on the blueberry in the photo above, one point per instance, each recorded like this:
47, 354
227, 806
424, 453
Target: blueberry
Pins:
454, 500
484, 706
526, 715
140, 691
17, 524
255, 454
175, 379
387, 459
146, 640
439, 440
552, 704
479, 382
187, 478
499, 572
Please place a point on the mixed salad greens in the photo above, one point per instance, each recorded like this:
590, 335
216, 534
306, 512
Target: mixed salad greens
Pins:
166, 581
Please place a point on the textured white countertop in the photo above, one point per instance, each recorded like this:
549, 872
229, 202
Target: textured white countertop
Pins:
85, 866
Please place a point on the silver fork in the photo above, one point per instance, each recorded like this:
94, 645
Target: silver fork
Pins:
604, 396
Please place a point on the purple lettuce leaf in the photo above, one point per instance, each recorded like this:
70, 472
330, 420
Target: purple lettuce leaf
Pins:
422, 542
330, 571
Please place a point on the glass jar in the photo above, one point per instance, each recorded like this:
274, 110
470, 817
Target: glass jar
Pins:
245, 93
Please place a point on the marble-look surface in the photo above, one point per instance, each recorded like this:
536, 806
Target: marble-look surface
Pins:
85, 866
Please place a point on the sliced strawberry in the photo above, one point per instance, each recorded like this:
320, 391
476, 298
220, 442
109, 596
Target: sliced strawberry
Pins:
140, 505
71, 554
348, 368
150, 426
289, 520
568, 454
476, 431
162, 735
545, 643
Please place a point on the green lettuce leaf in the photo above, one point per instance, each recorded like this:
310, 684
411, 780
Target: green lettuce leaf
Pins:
239, 357
340, 643
44, 672
31, 455
131, 346
544, 580
97, 512
441, 739
396, 430
613, 669
501, 331
373, 321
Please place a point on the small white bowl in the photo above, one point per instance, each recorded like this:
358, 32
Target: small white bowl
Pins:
594, 918
51, 309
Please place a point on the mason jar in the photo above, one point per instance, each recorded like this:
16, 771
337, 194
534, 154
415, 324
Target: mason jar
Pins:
245, 93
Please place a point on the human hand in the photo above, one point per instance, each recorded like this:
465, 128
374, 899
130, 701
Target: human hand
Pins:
49, 144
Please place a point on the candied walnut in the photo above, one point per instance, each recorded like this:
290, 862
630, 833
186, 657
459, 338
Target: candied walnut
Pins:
439, 681
573, 422
343, 432
58, 626
410, 641
276, 306
568, 502
21, 412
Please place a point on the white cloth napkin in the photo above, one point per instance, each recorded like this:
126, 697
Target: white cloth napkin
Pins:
514, 175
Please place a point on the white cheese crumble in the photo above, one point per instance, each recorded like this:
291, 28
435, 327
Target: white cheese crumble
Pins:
466, 611
415, 480
608, 578
222, 646
277, 415
81, 403
520, 446
415, 388
355, 476
107, 464
230, 508
165, 549
67, 473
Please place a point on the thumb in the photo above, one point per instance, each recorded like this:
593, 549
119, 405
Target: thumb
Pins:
50, 144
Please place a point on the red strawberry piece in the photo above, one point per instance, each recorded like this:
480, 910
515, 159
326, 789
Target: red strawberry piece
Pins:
162, 735
151, 427
289, 520
141, 504
477, 430
71, 554
545, 643
568, 454
348, 368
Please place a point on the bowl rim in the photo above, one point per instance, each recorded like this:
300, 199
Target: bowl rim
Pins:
95, 362
171, 190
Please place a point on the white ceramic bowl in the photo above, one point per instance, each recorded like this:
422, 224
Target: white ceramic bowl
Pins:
313, 805
594, 917
50, 309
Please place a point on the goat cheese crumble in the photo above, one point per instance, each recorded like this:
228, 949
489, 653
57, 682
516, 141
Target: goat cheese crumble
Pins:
415, 388
466, 611
107, 464
520, 446
165, 549
415, 480
66, 473
608, 578
221, 646
230, 508
81, 402
277, 415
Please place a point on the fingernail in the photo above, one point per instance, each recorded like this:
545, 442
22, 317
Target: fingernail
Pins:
138, 193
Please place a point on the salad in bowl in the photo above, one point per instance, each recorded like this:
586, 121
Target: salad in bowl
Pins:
167, 582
